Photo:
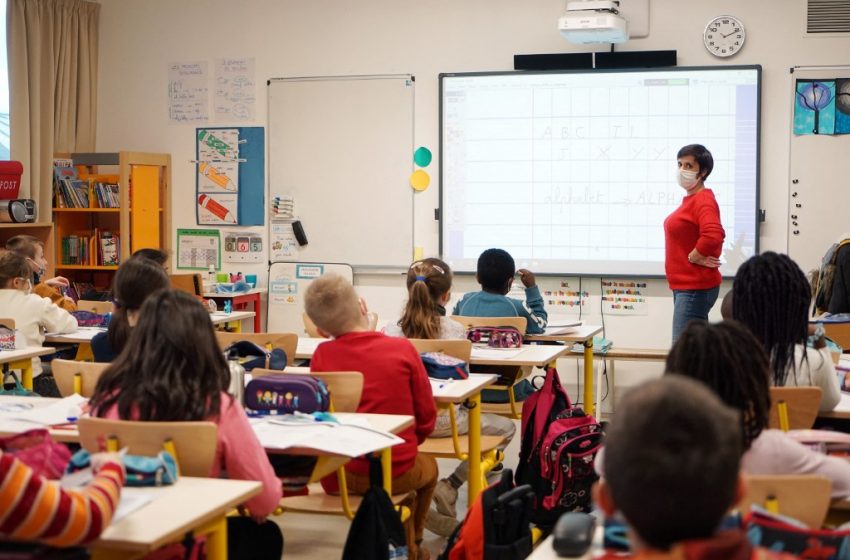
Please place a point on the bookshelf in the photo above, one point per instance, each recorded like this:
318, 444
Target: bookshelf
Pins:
109, 206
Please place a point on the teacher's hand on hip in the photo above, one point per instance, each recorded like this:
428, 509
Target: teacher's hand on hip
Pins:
694, 257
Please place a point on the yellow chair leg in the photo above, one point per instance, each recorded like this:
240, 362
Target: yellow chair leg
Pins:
475, 481
589, 404
26, 371
455, 437
78, 383
216, 532
343, 493
782, 410
168, 445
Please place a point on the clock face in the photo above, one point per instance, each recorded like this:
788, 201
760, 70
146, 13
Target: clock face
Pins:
724, 36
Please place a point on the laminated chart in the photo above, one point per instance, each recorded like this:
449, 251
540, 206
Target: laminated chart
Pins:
623, 298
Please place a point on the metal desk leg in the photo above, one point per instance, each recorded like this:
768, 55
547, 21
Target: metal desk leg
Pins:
589, 405
476, 479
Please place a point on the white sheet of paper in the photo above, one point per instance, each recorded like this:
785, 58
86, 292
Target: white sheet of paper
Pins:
86, 333
132, 499
54, 413
342, 439
552, 331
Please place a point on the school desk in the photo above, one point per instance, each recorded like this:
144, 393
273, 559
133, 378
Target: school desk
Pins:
469, 391
240, 302
192, 504
82, 337
841, 410
583, 334
232, 320
67, 434
21, 359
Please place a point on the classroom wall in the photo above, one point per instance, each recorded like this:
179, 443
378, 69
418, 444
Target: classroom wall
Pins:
139, 38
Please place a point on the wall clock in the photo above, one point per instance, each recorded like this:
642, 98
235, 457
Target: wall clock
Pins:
724, 36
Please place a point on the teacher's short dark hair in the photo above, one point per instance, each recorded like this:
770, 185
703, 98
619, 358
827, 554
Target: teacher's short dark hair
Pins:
702, 156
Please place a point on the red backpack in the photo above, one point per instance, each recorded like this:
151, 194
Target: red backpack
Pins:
559, 446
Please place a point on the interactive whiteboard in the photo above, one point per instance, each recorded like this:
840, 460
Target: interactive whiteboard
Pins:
575, 172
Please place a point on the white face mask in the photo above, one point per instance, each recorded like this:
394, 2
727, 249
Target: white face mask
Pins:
686, 179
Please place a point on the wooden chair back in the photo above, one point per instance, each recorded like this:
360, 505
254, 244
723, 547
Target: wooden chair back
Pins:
189, 283
194, 442
345, 387
803, 404
519, 323
804, 497
100, 307
288, 342
65, 372
839, 333
7, 322
460, 349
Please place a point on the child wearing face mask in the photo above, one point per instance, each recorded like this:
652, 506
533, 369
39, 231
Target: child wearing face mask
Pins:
693, 240
33, 249
33, 315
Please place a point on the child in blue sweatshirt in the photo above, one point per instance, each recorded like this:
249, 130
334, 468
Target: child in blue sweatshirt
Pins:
496, 271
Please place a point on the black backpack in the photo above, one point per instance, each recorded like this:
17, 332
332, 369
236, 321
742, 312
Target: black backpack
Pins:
376, 531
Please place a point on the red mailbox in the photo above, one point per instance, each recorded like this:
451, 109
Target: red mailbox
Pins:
10, 179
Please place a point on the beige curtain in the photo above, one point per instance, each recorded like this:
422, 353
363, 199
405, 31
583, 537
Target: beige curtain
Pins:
52, 46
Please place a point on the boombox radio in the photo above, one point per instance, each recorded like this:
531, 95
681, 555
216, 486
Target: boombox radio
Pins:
21, 210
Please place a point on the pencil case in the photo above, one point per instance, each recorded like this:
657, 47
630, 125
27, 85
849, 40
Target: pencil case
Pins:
285, 394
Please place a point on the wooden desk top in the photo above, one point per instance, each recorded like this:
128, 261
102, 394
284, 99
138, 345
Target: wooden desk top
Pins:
7, 356
220, 317
580, 334
458, 390
251, 292
83, 335
530, 355
188, 504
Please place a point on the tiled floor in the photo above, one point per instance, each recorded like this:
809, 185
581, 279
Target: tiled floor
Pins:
318, 537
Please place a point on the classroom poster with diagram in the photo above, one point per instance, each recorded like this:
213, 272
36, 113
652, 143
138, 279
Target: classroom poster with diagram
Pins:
235, 89
230, 176
623, 297
243, 247
198, 249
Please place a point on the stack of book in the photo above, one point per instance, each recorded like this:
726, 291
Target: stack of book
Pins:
94, 248
107, 195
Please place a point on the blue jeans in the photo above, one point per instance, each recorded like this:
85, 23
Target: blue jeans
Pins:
689, 305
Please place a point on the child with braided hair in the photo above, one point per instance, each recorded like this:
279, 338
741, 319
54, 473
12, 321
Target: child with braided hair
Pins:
772, 298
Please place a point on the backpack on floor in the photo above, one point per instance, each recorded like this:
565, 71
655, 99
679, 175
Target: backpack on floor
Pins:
559, 446
497, 526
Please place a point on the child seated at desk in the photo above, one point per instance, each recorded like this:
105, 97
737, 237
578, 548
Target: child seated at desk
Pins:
33, 249
134, 282
772, 298
728, 359
33, 315
394, 382
429, 287
33, 508
495, 273
672, 470
173, 371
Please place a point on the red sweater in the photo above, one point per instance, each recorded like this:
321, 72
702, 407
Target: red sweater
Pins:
694, 224
394, 382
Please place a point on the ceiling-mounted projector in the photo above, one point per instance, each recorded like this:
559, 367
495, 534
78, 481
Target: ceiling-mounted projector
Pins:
594, 21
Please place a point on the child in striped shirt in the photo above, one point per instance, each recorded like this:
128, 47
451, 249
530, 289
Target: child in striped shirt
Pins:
33, 508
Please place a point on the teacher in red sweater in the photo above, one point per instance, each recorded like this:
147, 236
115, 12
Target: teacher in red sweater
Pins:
693, 237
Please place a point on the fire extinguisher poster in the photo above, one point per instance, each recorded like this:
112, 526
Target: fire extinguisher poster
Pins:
230, 175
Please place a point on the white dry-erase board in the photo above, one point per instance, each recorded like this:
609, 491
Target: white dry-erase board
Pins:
342, 147
287, 282
818, 197
574, 172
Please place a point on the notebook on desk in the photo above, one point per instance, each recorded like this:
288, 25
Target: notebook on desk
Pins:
561, 327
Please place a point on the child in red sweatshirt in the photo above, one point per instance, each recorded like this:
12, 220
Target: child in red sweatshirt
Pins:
394, 382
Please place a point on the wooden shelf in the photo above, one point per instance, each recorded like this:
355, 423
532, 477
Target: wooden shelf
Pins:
84, 267
30, 225
86, 210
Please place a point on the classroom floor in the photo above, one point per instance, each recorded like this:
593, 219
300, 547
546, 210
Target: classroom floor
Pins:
315, 537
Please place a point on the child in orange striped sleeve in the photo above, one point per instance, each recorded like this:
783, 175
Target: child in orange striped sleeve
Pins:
33, 508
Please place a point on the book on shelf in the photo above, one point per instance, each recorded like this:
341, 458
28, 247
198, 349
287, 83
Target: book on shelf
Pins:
109, 249
107, 195
92, 248
71, 193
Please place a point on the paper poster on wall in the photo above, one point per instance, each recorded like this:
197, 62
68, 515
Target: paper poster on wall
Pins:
188, 92
230, 176
243, 247
623, 297
814, 108
198, 249
235, 89
564, 299
283, 290
282, 241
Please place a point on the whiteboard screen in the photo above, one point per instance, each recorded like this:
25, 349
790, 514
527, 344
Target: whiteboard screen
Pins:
342, 148
575, 172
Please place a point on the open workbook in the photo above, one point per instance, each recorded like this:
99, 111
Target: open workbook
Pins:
351, 440
561, 327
